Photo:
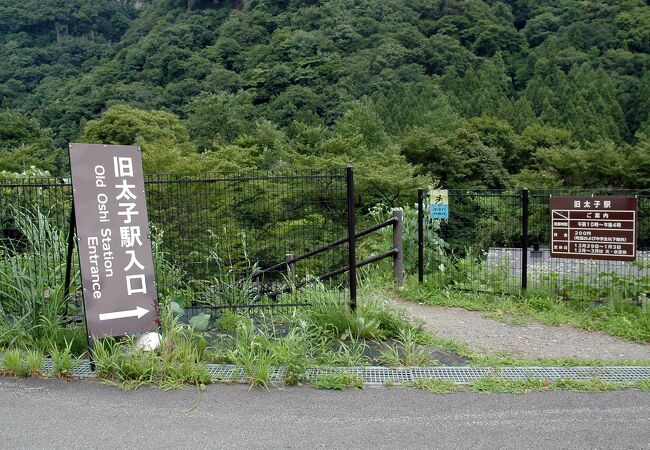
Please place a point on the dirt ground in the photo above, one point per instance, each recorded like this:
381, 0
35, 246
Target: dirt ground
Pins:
532, 340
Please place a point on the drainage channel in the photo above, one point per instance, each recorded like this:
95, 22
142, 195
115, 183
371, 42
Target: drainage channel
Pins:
458, 375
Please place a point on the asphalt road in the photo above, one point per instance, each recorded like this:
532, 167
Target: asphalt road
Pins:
84, 414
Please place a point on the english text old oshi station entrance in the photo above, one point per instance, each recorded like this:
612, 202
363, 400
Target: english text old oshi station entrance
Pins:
114, 242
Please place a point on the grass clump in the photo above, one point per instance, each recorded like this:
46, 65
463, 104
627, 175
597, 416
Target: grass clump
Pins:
253, 351
293, 353
62, 360
23, 363
338, 381
594, 384
375, 318
13, 363
406, 351
34, 363
493, 385
347, 354
259, 351
31, 303
643, 385
433, 385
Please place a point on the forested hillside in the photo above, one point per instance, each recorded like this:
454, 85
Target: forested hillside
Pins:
481, 93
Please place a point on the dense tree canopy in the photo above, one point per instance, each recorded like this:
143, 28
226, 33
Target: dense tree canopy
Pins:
490, 93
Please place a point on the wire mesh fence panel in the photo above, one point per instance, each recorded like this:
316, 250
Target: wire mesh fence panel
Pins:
210, 234
476, 248
34, 224
480, 248
218, 232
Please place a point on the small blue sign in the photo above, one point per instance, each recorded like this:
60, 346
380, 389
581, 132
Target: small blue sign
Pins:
440, 211
439, 201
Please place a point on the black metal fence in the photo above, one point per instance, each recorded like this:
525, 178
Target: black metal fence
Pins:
498, 241
209, 233
34, 223
216, 237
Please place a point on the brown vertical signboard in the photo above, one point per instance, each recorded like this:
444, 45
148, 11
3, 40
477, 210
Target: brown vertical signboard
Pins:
594, 228
117, 272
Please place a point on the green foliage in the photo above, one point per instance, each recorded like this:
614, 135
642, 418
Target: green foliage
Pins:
44, 44
24, 144
163, 138
435, 248
125, 125
453, 90
219, 118
338, 381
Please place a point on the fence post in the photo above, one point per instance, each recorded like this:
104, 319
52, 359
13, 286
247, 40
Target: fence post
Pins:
420, 235
524, 239
291, 268
68, 260
352, 257
398, 257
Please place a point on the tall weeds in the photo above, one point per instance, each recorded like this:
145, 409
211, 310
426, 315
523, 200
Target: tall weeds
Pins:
31, 279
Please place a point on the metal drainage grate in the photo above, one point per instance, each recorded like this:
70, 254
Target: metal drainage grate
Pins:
225, 372
466, 374
83, 370
459, 375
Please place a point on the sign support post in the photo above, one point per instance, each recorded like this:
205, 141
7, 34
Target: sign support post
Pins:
68, 261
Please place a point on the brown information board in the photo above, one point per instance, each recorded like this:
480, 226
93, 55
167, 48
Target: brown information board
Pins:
594, 227
117, 272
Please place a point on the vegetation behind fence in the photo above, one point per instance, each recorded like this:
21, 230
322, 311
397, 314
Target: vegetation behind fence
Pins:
209, 232
480, 247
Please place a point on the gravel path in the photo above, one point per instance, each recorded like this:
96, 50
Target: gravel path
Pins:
533, 340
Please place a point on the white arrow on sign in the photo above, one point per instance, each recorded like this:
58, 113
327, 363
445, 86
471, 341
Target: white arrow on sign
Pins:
137, 312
